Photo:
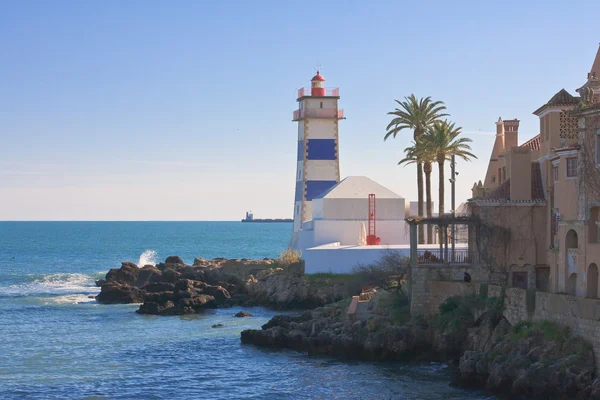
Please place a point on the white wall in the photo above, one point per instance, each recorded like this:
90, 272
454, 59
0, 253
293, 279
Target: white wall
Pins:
321, 128
321, 170
385, 209
343, 260
346, 232
315, 102
300, 130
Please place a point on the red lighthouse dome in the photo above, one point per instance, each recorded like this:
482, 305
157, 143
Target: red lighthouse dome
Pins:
317, 88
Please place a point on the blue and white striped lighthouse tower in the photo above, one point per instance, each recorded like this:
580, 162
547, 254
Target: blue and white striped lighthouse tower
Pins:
318, 148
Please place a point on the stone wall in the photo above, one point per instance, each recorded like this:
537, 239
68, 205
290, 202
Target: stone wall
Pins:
439, 291
515, 305
431, 285
580, 314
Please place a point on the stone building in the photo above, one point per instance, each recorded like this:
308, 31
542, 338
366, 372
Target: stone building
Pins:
539, 203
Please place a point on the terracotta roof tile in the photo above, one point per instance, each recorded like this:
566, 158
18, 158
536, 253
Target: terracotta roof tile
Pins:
533, 143
537, 188
561, 98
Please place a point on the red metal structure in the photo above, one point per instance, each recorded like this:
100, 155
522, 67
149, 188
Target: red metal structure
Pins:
372, 238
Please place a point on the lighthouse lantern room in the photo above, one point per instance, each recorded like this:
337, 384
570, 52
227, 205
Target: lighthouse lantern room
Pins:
318, 166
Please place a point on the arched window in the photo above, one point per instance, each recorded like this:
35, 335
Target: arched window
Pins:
571, 241
572, 284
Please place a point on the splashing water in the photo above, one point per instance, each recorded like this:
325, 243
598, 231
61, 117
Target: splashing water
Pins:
148, 257
53, 284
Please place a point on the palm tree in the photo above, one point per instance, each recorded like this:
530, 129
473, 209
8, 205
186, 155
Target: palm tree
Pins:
417, 115
442, 140
419, 153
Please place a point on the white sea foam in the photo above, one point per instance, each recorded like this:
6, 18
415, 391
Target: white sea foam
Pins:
69, 299
61, 283
148, 257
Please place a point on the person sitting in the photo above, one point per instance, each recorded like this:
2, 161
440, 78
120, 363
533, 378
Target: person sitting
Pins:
467, 277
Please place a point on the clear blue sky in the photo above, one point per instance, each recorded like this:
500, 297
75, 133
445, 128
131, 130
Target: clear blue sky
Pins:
148, 110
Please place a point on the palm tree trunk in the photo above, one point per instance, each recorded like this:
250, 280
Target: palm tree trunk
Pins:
420, 199
441, 188
427, 170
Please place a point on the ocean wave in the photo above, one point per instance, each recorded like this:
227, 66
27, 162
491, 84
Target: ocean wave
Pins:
54, 284
148, 257
68, 299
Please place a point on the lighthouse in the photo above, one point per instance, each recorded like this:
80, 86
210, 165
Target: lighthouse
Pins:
318, 167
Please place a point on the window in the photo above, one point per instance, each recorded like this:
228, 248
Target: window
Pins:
503, 174
499, 175
571, 167
555, 171
493, 179
321, 105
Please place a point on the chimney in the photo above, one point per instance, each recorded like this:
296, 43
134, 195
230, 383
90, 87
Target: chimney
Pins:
511, 133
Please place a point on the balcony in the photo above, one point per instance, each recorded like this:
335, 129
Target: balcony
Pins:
318, 113
329, 92
433, 257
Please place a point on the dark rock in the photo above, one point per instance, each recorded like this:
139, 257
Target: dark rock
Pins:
159, 287
192, 273
116, 293
127, 274
167, 308
243, 314
174, 260
159, 297
146, 275
219, 293
100, 282
169, 275
217, 326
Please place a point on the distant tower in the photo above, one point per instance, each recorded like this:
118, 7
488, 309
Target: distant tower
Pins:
318, 151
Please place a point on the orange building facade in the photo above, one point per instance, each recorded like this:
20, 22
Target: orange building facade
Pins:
539, 203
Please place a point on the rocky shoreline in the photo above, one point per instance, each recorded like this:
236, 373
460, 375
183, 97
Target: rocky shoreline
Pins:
175, 288
528, 360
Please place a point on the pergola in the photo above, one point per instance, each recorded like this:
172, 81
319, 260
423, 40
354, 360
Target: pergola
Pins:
446, 256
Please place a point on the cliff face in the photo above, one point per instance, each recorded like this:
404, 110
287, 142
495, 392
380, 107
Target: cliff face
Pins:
290, 291
534, 360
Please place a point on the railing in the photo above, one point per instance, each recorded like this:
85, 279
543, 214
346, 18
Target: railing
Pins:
432, 256
318, 113
334, 92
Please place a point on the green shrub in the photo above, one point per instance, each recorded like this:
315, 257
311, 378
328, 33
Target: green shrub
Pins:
483, 290
550, 331
456, 313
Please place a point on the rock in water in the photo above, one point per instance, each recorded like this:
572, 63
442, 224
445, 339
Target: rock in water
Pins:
127, 274
117, 293
217, 326
146, 275
174, 260
243, 314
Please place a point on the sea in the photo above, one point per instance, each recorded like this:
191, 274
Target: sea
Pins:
56, 342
